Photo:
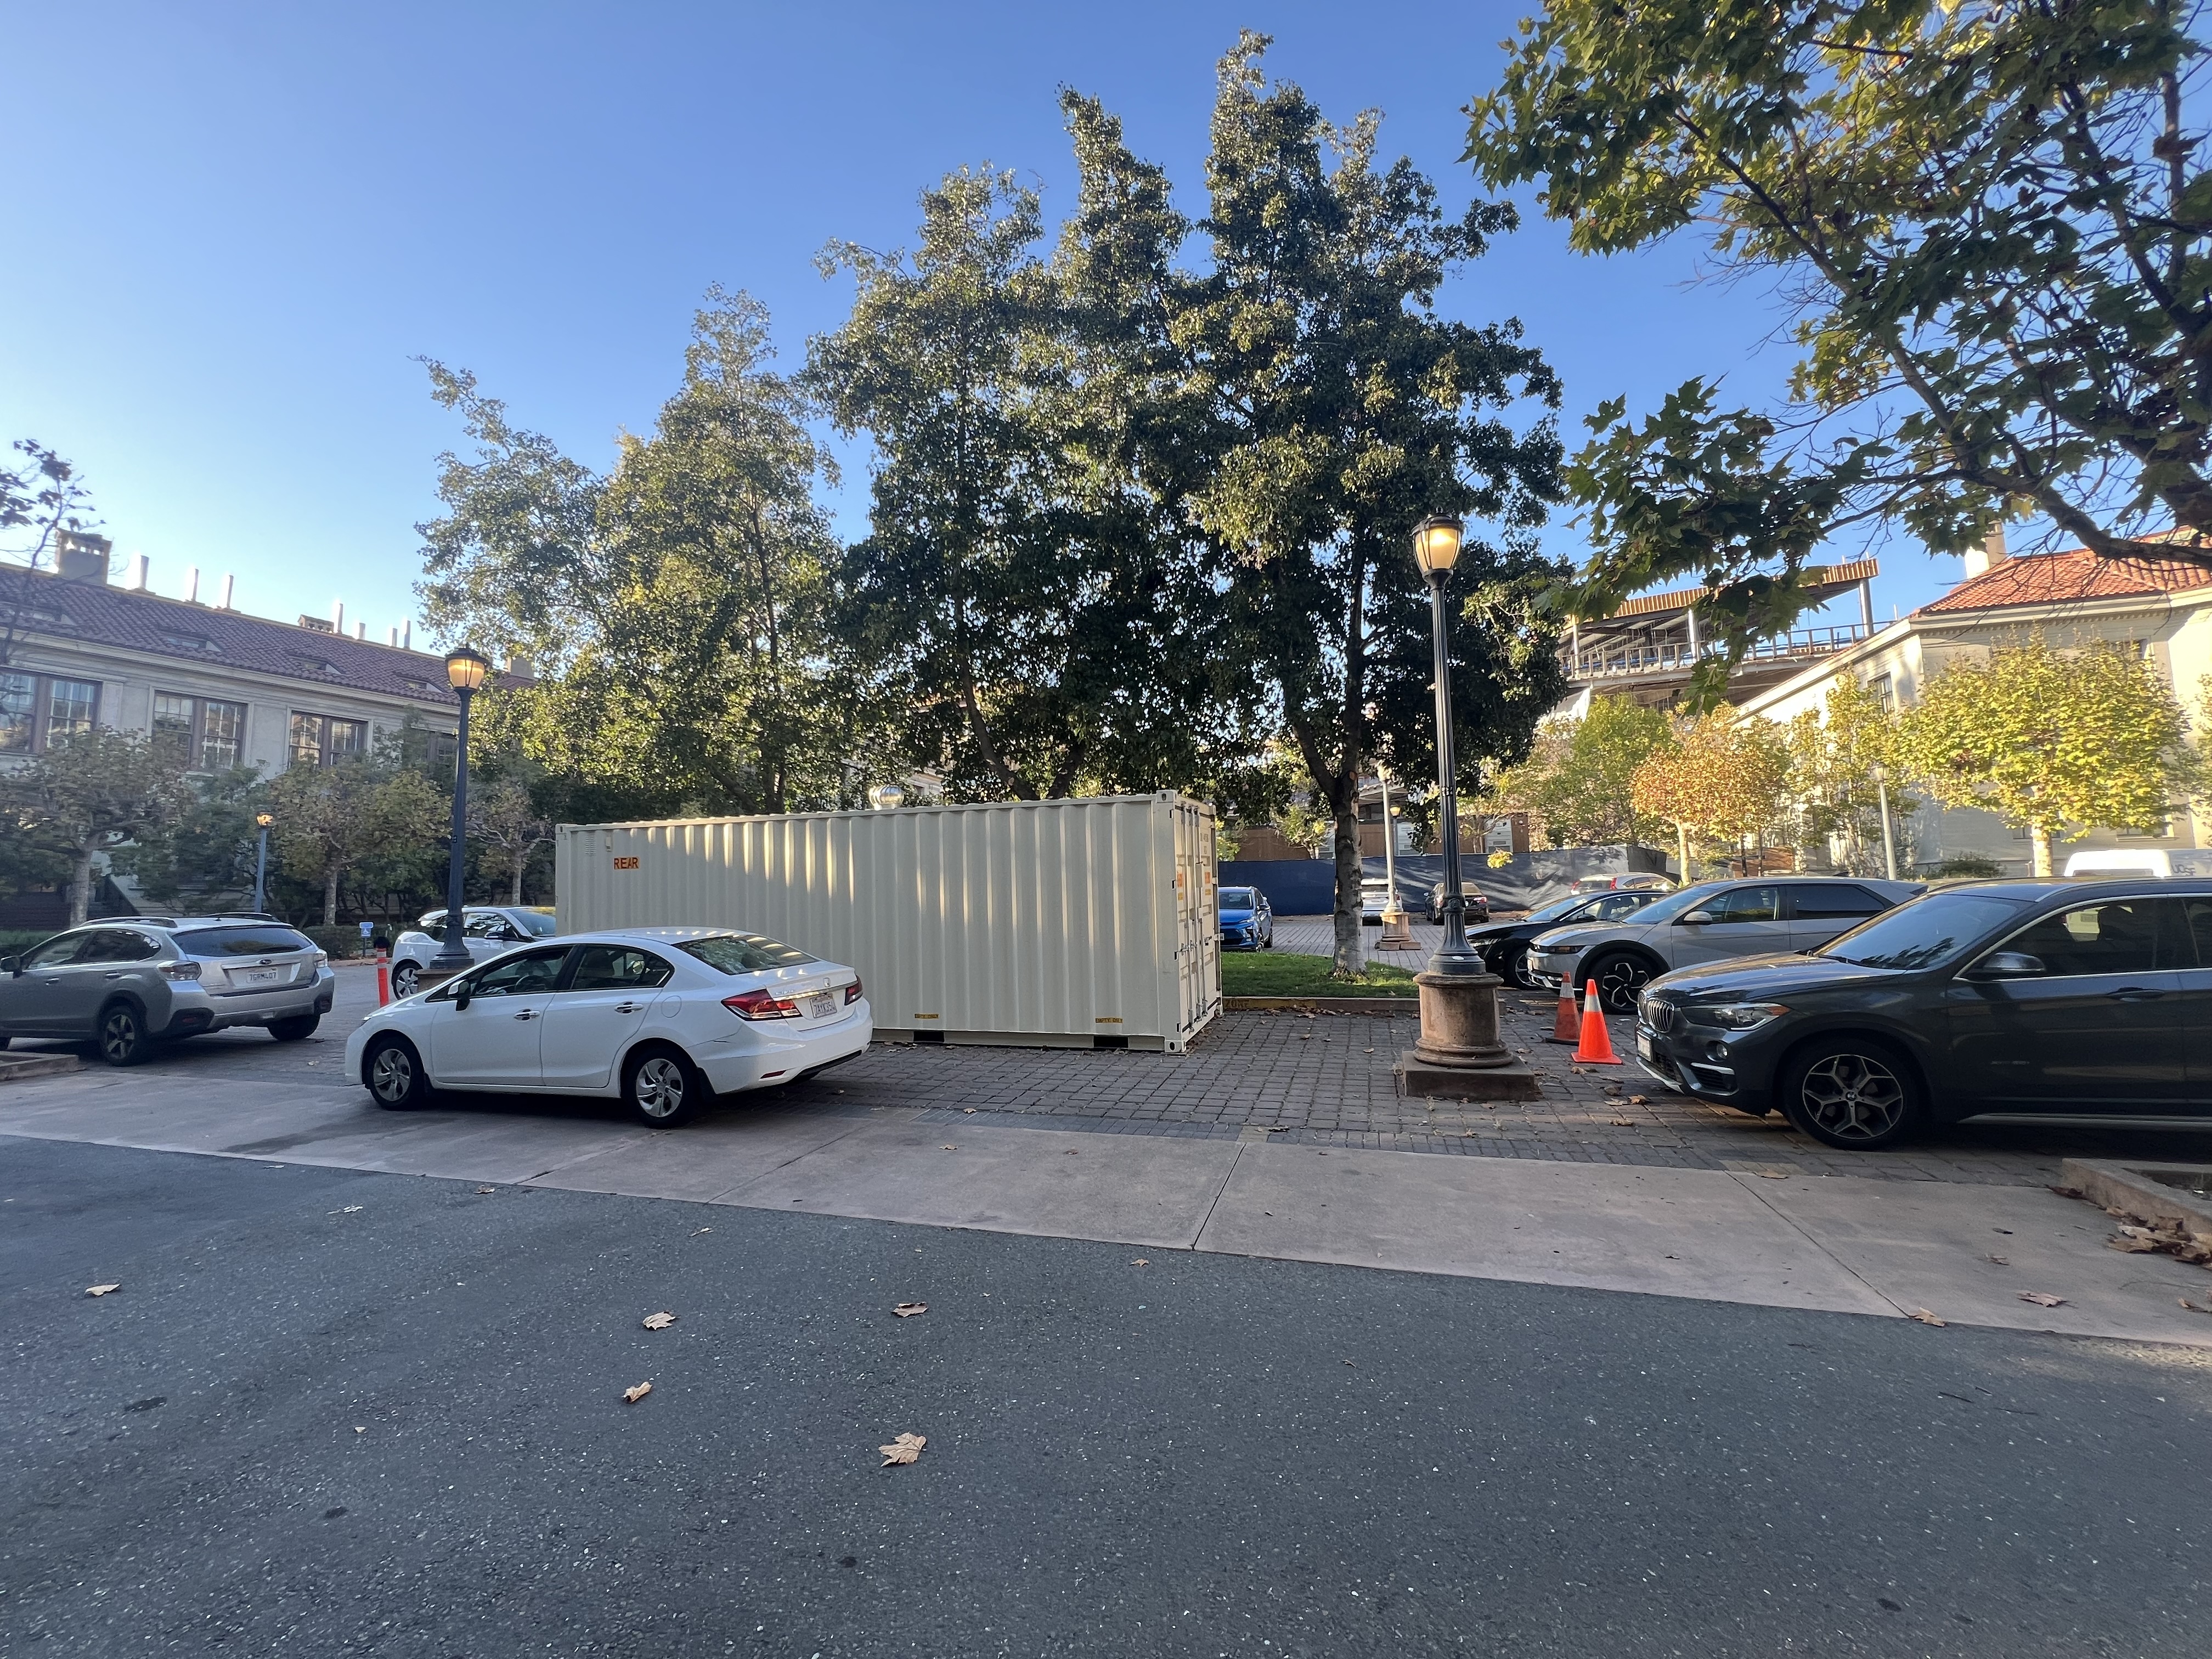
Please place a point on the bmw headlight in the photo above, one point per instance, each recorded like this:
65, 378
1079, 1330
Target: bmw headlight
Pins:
1740, 1016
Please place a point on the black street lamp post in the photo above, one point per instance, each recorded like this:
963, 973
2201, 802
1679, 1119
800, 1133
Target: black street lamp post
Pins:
465, 671
262, 820
1459, 1053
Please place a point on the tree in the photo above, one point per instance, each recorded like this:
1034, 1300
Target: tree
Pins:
210, 851
2053, 741
678, 607
1579, 782
1303, 405
41, 503
1037, 624
332, 820
1988, 223
1838, 754
95, 792
1724, 777
508, 831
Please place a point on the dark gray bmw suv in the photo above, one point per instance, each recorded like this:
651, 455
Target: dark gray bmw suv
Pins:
2089, 999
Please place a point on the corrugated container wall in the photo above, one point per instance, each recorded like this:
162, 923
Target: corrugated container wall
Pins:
1054, 922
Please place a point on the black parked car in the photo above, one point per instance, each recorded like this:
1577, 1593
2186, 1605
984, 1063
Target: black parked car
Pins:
1504, 945
2089, 999
1474, 904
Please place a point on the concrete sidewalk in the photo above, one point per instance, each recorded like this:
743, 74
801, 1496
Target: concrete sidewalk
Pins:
1836, 1243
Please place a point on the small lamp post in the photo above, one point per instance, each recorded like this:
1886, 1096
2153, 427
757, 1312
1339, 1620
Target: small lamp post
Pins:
261, 821
1397, 932
1459, 996
466, 669
1888, 840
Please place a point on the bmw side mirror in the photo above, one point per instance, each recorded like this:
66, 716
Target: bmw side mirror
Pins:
10, 965
2009, 964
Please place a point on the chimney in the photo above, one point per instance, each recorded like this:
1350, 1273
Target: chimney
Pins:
1980, 559
338, 617
229, 581
407, 635
80, 558
361, 630
519, 665
193, 585
136, 582
394, 639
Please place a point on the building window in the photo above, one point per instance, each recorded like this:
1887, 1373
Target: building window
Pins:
320, 739
1883, 689
204, 734
36, 709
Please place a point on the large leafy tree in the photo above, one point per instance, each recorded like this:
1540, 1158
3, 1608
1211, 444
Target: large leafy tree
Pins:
1840, 757
95, 793
1036, 623
1578, 783
1304, 405
42, 500
2055, 741
359, 817
676, 607
1724, 778
1988, 222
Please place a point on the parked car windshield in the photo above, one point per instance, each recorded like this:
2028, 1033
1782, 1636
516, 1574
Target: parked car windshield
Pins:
1675, 904
744, 953
1922, 933
262, 941
1558, 908
1237, 898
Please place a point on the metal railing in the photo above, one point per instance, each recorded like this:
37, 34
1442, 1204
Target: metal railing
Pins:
1613, 661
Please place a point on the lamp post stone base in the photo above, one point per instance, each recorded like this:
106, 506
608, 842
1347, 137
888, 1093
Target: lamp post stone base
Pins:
1459, 1054
1397, 930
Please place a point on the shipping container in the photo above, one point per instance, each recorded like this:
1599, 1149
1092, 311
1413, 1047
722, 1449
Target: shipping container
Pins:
1090, 923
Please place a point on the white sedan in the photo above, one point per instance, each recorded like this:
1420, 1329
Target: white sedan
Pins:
663, 1018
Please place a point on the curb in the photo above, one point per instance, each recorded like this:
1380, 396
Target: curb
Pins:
1379, 1006
2135, 1188
13, 1067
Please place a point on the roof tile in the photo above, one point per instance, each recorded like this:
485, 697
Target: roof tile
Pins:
2072, 577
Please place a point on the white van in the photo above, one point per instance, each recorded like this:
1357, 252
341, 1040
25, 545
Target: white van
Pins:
2117, 863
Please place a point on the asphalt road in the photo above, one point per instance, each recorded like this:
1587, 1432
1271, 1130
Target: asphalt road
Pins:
335, 1414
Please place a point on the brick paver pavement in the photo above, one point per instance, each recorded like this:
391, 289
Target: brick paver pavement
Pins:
1326, 1080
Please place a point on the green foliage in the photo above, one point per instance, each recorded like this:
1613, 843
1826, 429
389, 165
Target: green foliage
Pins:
2055, 742
41, 501
1968, 867
677, 608
1837, 757
361, 816
94, 792
1988, 223
1577, 781
507, 829
210, 850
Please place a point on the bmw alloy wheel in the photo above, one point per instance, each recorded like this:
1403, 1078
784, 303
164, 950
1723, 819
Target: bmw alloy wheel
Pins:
1853, 1098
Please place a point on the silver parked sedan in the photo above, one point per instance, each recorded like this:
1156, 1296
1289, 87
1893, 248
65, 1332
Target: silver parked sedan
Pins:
133, 981
1711, 922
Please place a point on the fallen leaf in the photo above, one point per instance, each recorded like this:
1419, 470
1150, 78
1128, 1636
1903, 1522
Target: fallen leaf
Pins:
1925, 1317
350, 1209
1141, 1262
2132, 1246
483, 1191
952, 1149
2002, 1261
1773, 1175
1072, 1152
2041, 1299
1622, 1122
2193, 1307
970, 1110
1639, 1100
100, 1290
904, 1449
633, 1396
909, 1310
361, 1428
2068, 1192
1353, 1367
660, 1322
702, 1230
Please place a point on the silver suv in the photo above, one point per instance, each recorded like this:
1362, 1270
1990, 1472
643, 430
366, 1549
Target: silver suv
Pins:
129, 982
1710, 923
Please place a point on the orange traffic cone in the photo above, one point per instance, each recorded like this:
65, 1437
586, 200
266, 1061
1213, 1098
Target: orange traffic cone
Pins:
1567, 1023
1596, 1045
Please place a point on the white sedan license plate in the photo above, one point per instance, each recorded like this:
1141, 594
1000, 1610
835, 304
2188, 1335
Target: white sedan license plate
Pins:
821, 1006
1643, 1044
257, 976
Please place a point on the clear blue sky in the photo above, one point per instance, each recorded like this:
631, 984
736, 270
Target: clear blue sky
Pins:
236, 225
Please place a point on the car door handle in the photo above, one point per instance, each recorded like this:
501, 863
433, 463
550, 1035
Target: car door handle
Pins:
527, 1013
628, 1007
2133, 994
117, 975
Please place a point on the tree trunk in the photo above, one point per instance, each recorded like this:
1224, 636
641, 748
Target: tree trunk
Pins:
2039, 841
330, 898
81, 888
516, 899
1344, 810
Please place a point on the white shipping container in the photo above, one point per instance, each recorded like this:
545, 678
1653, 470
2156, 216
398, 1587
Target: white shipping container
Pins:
1087, 922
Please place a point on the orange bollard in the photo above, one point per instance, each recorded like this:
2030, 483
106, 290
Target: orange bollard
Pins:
1596, 1045
1567, 1023
383, 978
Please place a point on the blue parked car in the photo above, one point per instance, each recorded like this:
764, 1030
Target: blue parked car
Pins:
1248, 921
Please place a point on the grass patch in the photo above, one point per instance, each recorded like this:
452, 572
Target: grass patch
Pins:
1278, 974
